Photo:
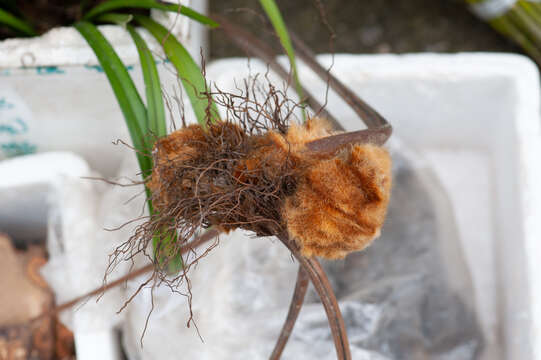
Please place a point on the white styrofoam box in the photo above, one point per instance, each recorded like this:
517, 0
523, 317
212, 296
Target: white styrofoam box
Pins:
475, 118
54, 96
29, 186
63, 46
32, 176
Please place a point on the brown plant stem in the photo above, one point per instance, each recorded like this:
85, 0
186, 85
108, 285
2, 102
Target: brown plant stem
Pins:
207, 236
294, 309
328, 299
332, 144
379, 130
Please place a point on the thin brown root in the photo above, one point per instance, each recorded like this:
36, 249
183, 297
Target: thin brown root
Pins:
207, 236
111, 182
294, 309
136, 292
327, 297
366, 113
254, 47
148, 315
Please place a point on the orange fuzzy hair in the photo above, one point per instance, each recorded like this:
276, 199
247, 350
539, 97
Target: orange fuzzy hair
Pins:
329, 204
340, 202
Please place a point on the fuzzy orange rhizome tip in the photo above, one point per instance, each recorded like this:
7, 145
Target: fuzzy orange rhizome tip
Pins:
329, 204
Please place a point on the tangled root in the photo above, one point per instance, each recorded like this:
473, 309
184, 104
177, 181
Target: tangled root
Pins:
269, 183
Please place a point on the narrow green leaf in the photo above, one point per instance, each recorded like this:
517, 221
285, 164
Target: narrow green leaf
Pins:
194, 15
124, 89
188, 71
166, 253
136, 116
507, 27
119, 19
16, 23
280, 28
155, 105
11, 7
149, 4
163, 244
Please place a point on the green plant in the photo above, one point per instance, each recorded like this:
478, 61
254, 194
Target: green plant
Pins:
142, 120
273, 13
19, 25
519, 21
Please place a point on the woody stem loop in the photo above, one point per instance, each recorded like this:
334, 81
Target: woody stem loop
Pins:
294, 309
326, 294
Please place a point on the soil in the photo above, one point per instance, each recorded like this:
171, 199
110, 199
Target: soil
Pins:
370, 26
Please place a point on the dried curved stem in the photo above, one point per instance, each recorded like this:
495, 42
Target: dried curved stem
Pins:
328, 299
294, 309
331, 144
369, 116
379, 130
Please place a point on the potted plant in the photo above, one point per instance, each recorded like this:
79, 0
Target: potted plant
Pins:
141, 120
203, 178
42, 94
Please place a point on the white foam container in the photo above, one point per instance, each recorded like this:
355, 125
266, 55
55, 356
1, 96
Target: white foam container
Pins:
475, 119
27, 187
54, 97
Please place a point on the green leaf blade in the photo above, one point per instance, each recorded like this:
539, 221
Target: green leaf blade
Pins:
15, 23
155, 105
115, 18
188, 71
112, 5
194, 15
124, 89
274, 15
136, 117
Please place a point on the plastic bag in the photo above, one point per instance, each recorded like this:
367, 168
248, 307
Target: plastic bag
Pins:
409, 295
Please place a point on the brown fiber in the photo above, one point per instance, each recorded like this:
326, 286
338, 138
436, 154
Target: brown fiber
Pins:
269, 182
